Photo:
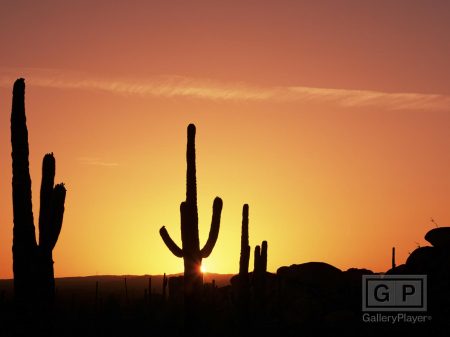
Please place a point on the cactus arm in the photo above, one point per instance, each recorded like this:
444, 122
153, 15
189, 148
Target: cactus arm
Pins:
214, 230
48, 180
173, 247
57, 213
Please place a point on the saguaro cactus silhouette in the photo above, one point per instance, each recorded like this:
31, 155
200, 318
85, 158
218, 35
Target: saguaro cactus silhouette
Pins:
393, 258
244, 284
24, 239
190, 251
52, 198
259, 272
260, 263
32, 264
245, 248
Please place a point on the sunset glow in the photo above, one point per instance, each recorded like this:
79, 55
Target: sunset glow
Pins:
333, 124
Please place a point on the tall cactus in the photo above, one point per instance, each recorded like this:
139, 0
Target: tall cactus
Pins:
244, 284
245, 248
190, 251
24, 239
32, 264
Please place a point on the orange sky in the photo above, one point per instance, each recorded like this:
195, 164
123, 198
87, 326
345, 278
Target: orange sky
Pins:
332, 121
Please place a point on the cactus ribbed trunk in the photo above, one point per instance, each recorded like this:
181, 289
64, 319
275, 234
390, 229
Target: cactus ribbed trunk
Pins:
33, 264
24, 238
193, 278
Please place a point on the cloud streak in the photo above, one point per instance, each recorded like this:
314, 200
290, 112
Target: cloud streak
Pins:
176, 86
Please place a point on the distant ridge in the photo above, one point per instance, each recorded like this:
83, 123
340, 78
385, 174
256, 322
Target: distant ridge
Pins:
115, 283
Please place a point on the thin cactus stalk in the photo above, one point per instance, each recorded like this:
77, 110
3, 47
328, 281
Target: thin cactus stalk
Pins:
244, 283
190, 251
245, 248
33, 264
393, 258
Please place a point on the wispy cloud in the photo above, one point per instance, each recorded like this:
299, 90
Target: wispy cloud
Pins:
96, 162
176, 86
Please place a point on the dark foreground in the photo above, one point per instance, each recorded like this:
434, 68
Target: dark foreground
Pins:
312, 299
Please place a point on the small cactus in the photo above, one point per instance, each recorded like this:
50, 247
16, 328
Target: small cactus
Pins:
393, 258
260, 262
259, 272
